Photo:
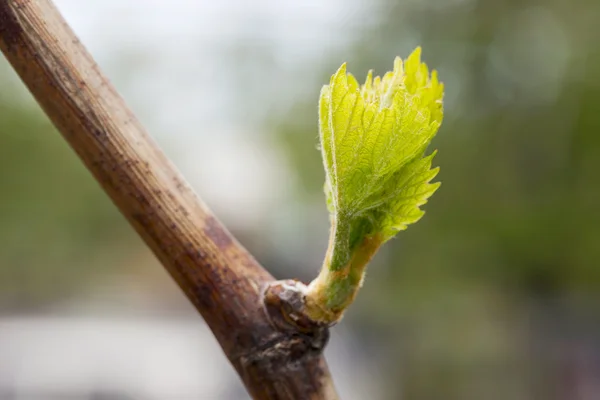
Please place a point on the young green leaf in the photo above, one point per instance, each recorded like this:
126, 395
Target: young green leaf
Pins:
373, 141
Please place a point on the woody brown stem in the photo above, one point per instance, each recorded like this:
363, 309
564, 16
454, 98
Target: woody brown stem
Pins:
217, 274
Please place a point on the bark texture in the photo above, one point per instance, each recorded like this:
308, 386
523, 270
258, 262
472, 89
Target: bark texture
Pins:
275, 360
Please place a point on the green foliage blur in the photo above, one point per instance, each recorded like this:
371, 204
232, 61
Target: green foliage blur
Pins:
492, 294
52, 213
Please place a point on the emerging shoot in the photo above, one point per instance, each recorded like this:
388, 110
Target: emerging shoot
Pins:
373, 142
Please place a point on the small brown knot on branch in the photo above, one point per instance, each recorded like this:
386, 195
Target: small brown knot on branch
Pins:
284, 303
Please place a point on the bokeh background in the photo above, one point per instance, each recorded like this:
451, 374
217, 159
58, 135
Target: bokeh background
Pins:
494, 294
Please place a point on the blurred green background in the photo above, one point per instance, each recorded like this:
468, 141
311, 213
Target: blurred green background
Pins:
494, 294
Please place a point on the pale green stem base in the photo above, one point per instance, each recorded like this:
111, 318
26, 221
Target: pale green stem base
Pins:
335, 288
